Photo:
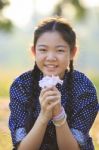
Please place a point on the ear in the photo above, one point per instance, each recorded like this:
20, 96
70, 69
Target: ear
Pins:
33, 50
73, 53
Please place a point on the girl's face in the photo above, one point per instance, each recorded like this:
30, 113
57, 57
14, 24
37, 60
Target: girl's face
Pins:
52, 54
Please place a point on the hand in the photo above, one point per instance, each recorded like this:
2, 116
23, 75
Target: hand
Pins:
49, 98
57, 108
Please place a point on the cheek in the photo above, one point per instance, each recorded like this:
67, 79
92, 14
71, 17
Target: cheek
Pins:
65, 63
65, 60
39, 60
38, 57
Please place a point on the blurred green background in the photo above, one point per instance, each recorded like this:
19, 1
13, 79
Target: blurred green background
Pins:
18, 19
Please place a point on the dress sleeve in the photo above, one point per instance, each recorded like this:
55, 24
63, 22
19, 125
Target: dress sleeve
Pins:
85, 108
18, 113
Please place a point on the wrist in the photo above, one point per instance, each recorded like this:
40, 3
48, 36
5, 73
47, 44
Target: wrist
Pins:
43, 119
59, 114
60, 122
60, 119
56, 111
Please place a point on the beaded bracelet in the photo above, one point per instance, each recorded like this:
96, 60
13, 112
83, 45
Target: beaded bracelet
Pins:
60, 115
61, 122
60, 118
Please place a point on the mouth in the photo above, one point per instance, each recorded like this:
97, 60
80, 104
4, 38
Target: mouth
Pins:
51, 67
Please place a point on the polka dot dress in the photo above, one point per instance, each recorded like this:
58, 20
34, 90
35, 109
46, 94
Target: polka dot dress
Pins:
80, 104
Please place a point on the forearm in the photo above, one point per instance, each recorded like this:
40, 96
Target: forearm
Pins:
65, 138
34, 138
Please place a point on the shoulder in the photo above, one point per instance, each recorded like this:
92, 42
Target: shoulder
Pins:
83, 93
82, 83
24, 78
21, 86
80, 76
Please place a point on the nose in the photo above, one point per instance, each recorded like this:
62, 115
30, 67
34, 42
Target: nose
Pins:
51, 56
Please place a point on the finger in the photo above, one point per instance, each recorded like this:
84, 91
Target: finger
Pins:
45, 104
55, 88
52, 105
50, 99
45, 90
47, 101
48, 93
53, 98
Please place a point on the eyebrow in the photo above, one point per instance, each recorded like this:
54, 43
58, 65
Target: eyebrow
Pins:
58, 46
64, 46
42, 45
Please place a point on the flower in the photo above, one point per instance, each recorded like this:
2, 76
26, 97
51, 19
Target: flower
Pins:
48, 81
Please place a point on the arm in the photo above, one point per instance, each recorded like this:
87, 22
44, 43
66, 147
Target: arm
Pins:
19, 114
34, 138
65, 138
77, 133
17, 120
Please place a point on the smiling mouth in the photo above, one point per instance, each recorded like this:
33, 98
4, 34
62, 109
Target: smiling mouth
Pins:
51, 67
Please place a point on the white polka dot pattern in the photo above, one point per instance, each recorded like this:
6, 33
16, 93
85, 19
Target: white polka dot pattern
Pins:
81, 107
79, 136
20, 133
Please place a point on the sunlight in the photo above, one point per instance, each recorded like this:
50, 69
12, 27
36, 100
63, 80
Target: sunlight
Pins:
20, 11
90, 3
44, 6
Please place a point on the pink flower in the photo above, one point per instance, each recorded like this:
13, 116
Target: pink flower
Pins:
48, 81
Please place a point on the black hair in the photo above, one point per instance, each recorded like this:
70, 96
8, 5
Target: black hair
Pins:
53, 24
56, 24
30, 106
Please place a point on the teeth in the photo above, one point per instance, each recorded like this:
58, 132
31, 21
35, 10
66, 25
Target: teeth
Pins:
51, 66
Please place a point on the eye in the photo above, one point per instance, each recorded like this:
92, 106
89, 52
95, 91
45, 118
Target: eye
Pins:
60, 50
42, 49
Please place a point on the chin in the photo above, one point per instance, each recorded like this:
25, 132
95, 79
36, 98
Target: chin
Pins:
50, 74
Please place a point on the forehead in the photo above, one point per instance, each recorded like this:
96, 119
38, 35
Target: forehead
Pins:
52, 37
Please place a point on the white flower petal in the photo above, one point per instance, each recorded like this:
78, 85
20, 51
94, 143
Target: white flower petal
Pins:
48, 81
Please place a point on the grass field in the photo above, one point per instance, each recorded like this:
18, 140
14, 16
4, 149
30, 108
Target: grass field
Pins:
5, 139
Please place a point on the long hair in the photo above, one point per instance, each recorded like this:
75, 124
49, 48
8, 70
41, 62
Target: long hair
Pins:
65, 30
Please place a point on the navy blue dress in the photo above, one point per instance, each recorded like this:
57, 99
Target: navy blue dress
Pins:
81, 109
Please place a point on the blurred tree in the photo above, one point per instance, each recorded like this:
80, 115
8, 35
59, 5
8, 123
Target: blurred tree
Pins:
5, 23
76, 5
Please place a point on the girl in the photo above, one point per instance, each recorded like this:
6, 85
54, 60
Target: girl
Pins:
57, 117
